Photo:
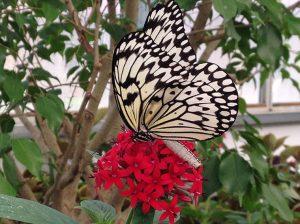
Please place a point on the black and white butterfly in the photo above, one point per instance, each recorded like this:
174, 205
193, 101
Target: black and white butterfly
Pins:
163, 93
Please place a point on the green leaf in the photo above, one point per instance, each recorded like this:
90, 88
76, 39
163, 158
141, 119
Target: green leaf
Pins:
275, 11
7, 123
30, 212
50, 11
29, 154
139, 217
13, 88
242, 105
98, 211
116, 31
211, 174
227, 8
5, 187
234, 173
10, 171
264, 76
83, 79
269, 45
275, 198
231, 31
187, 4
293, 24
285, 74
259, 163
5, 142
52, 109
41, 74
20, 19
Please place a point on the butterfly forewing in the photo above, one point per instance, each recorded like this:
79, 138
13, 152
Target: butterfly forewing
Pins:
165, 26
140, 70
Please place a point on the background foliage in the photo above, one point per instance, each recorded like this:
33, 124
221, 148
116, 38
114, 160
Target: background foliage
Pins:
245, 184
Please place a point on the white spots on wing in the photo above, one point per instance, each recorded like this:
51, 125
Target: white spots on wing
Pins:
232, 104
207, 88
215, 85
184, 42
200, 66
225, 120
165, 58
219, 74
180, 36
227, 82
187, 49
225, 125
192, 57
229, 89
177, 68
232, 97
224, 107
212, 68
156, 50
233, 112
217, 94
220, 100
225, 113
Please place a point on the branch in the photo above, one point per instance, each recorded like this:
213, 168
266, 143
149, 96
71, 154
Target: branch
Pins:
24, 190
35, 132
92, 106
48, 135
210, 47
132, 12
104, 128
218, 36
112, 17
78, 27
88, 119
205, 10
294, 6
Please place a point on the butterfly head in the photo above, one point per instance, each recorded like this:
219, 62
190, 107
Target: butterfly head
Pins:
142, 136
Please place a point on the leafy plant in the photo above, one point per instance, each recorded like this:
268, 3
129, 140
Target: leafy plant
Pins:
48, 163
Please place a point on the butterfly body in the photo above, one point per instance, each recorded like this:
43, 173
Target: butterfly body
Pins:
142, 136
160, 89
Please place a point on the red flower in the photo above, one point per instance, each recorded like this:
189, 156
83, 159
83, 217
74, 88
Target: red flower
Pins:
149, 173
156, 182
136, 164
171, 210
135, 192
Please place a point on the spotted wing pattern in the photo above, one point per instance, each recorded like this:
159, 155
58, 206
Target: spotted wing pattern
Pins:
165, 26
160, 90
199, 106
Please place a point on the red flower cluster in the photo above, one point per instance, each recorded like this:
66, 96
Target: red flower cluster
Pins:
149, 173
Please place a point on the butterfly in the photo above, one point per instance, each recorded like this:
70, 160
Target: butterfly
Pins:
162, 92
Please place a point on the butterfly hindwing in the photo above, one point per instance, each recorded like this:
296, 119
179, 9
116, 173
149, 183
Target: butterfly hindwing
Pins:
199, 106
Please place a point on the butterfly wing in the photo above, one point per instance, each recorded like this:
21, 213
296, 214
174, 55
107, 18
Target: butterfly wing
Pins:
158, 89
201, 105
165, 26
140, 70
